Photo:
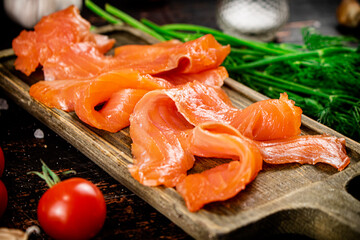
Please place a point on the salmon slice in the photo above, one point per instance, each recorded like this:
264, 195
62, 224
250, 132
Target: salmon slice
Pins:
138, 52
87, 94
61, 94
116, 91
102, 90
159, 135
190, 57
191, 104
167, 134
78, 61
83, 61
213, 77
115, 113
224, 181
193, 57
159, 130
265, 120
308, 149
269, 119
200, 103
51, 34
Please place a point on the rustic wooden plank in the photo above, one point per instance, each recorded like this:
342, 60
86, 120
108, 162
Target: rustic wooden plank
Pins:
304, 199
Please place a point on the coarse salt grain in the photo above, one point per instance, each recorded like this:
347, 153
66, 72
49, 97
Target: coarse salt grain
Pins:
3, 104
39, 133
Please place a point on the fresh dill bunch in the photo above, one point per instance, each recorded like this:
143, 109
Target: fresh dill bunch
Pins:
342, 71
339, 72
344, 121
314, 40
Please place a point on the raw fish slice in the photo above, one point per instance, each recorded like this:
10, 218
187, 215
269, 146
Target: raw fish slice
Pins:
265, 120
226, 180
269, 119
78, 61
102, 42
213, 77
83, 61
200, 103
61, 94
51, 34
166, 135
308, 149
159, 134
24, 46
117, 110
190, 57
103, 89
138, 53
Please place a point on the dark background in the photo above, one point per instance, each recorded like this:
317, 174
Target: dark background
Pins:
128, 217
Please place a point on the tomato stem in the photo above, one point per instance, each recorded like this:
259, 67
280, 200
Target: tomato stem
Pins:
47, 174
69, 172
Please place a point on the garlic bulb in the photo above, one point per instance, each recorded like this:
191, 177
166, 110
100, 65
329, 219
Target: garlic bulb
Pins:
61, 4
348, 13
28, 12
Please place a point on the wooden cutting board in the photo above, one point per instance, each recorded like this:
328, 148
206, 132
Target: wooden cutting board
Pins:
316, 201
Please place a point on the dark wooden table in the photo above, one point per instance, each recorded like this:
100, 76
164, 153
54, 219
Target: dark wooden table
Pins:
128, 216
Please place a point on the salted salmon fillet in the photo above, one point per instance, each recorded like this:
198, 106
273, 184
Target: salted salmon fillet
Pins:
118, 91
211, 77
52, 34
190, 57
196, 56
114, 114
171, 126
191, 104
159, 130
170, 95
265, 120
270, 119
78, 61
160, 146
103, 89
60, 94
223, 181
306, 149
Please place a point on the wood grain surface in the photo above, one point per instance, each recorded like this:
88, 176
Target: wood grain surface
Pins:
306, 200
128, 216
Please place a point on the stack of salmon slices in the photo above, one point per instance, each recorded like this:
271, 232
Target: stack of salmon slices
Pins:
171, 97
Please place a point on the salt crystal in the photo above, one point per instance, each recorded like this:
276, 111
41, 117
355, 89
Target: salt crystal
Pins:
39, 133
3, 104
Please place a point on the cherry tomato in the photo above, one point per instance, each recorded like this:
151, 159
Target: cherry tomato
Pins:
3, 198
2, 162
72, 209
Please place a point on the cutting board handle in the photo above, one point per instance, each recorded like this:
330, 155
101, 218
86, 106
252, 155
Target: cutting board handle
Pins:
326, 210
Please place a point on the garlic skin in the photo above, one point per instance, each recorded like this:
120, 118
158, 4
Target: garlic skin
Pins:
28, 12
62, 4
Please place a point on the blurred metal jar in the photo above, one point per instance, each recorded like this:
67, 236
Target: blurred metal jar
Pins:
252, 19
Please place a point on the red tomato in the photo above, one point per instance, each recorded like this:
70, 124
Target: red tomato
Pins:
72, 209
3, 198
2, 162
